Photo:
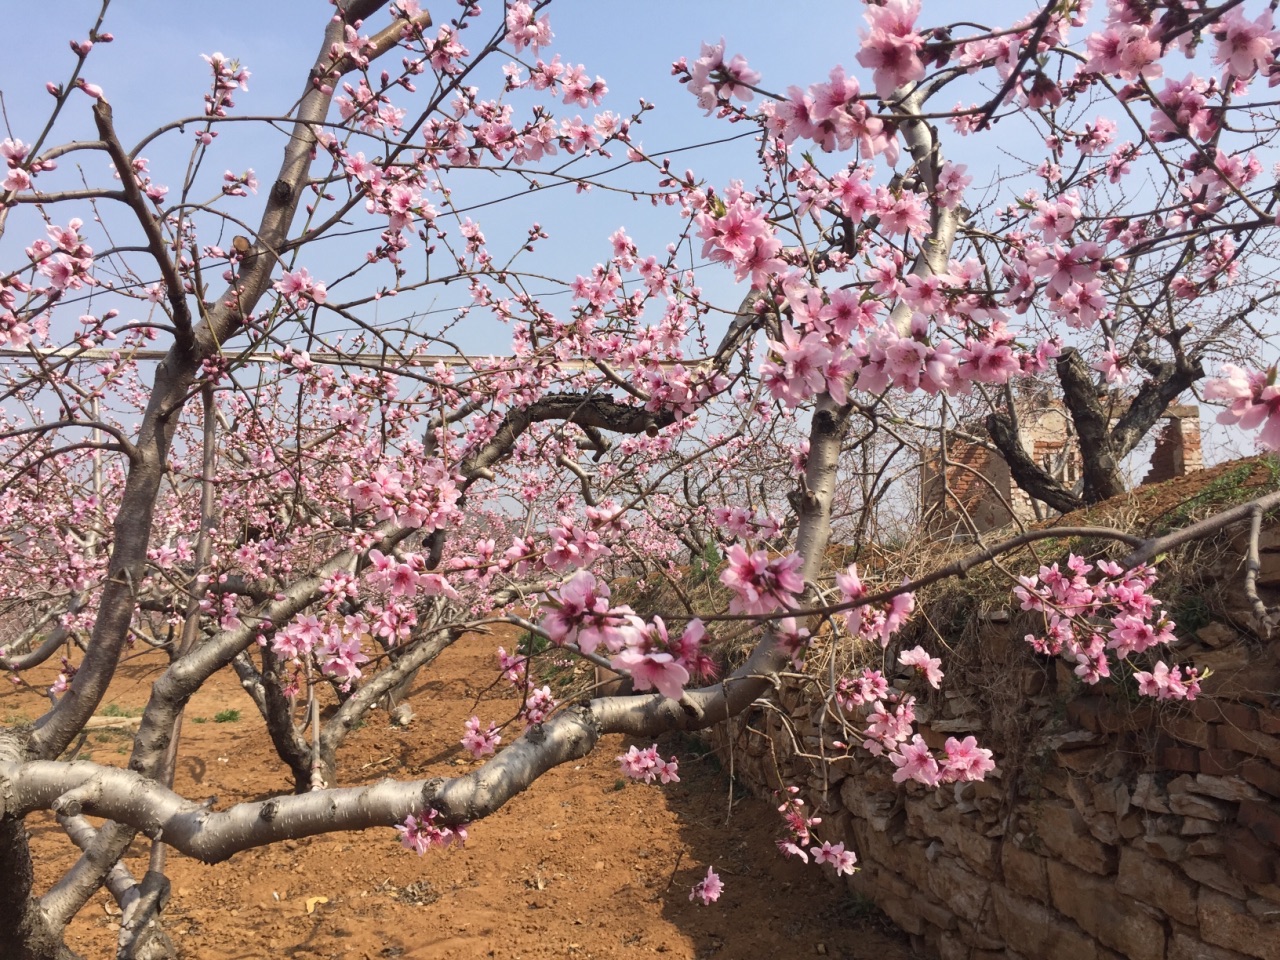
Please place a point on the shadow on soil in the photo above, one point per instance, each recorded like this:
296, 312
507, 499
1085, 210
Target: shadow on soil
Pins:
767, 897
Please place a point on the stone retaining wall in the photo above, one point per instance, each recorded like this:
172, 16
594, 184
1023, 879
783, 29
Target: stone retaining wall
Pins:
1112, 828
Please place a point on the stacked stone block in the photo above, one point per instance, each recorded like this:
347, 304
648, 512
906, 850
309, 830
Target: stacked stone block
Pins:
1119, 828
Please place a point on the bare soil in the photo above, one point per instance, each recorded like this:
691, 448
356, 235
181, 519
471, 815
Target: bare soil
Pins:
584, 865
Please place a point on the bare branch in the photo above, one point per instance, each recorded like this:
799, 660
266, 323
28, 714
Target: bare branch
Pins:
602, 413
52, 641
1026, 473
1199, 530
156, 243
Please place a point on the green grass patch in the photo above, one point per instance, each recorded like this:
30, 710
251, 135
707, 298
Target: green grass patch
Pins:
704, 567
1222, 492
531, 644
227, 716
115, 710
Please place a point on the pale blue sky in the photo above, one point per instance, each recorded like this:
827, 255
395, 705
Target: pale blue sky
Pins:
153, 73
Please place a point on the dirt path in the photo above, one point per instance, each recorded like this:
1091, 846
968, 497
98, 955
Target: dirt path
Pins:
583, 866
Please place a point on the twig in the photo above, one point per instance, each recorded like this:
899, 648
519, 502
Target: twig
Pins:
679, 857
1253, 565
583, 479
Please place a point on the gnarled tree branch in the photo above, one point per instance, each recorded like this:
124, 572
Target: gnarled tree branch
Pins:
1026, 473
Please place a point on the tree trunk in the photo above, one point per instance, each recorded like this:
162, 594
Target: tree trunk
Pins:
25, 933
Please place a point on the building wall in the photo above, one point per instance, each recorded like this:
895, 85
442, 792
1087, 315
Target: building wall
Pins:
1111, 829
1177, 449
977, 494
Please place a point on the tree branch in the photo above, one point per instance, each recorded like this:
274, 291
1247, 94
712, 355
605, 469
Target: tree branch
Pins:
1026, 473
1153, 399
173, 378
55, 638
599, 412
184, 338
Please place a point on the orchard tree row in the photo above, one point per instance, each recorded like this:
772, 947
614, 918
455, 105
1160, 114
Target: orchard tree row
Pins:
232, 430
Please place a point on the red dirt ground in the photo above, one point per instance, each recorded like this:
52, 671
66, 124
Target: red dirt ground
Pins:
582, 866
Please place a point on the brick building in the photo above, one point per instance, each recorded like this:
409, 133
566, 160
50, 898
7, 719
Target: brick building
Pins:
979, 494
1177, 449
